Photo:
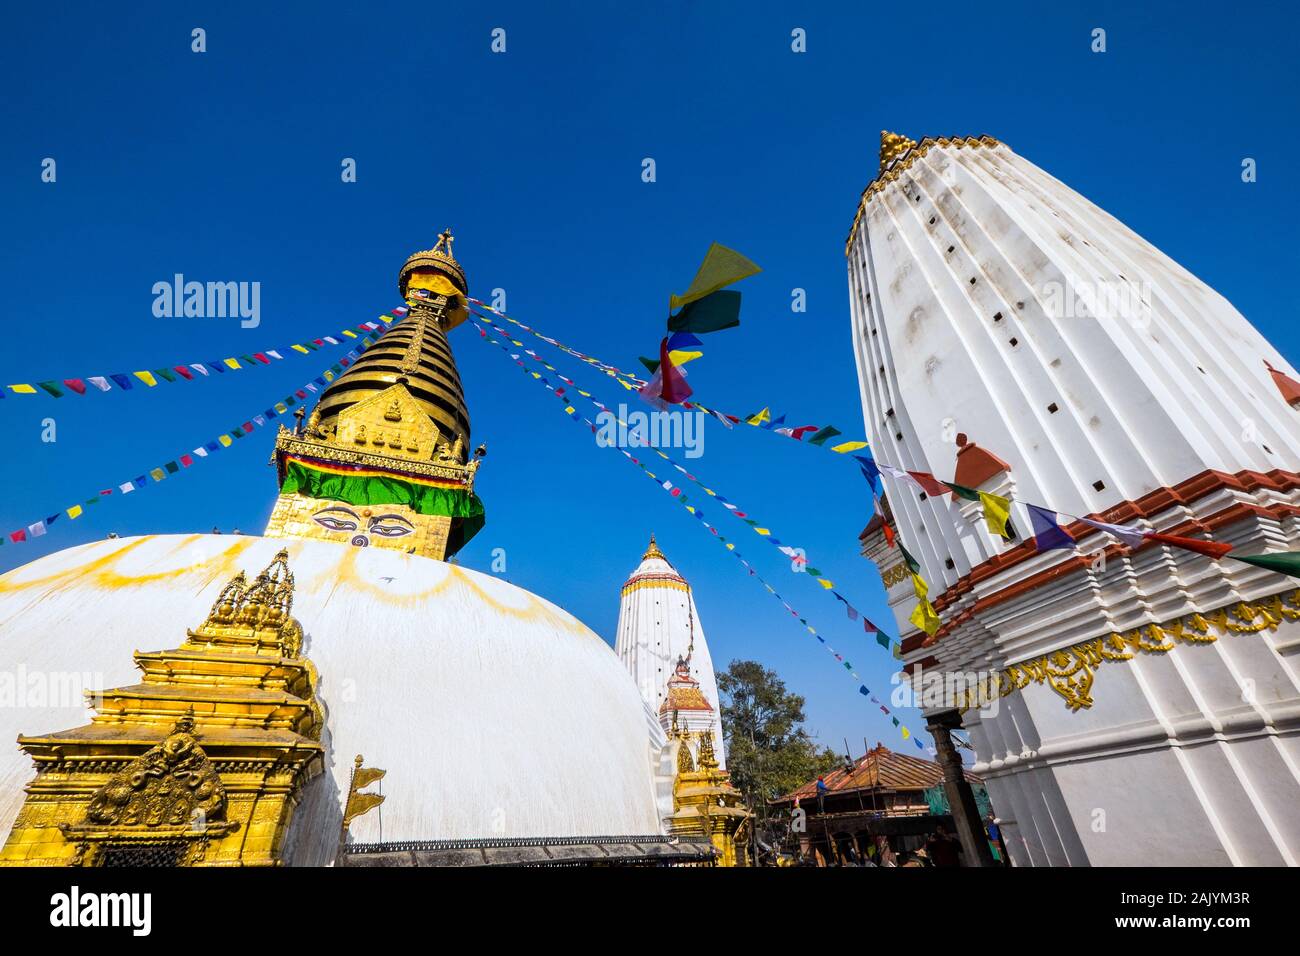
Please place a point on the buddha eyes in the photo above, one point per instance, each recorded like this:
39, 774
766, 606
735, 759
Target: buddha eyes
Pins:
384, 526
390, 526
336, 524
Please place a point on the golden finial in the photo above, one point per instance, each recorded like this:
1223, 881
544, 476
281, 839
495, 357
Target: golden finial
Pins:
653, 551
445, 239
892, 147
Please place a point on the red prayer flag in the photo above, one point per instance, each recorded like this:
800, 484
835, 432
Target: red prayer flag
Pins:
184, 373
931, 484
19, 535
186, 460
1211, 549
261, 358
675, 390
889, 533
76, 384
798, 433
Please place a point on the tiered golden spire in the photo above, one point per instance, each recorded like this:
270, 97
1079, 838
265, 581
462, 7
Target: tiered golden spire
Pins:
394, 421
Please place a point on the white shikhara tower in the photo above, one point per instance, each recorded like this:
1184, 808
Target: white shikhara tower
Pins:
1014, 338
661, 642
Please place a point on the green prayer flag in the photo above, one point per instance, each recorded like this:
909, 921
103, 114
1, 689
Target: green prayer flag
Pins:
720, 268
961, 491
882, 639
827, 433
650, 363
1286, 562
165, 373
713, 313
51, 388
912, 564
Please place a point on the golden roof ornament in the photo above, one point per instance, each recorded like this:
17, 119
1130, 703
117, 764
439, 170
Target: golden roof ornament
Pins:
892, 147
653, 551
438, 260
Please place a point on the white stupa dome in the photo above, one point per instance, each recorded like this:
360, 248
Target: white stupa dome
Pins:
495, 713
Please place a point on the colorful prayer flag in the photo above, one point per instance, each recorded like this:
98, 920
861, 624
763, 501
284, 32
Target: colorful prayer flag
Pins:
997, 512
1211, 549
1048, 533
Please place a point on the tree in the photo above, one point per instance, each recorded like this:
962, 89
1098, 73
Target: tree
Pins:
768, 751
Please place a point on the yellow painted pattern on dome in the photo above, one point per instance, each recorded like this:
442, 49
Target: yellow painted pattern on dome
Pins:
103, 571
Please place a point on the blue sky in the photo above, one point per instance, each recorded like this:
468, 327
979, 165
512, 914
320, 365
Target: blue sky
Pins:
226, 166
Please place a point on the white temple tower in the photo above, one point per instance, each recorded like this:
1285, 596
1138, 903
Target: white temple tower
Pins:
1014, 338
661, 641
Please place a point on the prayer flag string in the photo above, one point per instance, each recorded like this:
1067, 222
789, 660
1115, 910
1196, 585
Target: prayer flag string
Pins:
177, 465
125, 382
666, 486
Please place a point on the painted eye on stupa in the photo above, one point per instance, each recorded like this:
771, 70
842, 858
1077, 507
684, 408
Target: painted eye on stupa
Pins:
337, 519
391, 526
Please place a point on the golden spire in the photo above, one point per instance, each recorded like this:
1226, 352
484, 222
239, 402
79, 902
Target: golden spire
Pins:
653, 551
892, 147
395, 422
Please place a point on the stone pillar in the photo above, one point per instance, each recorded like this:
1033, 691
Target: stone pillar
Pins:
961, 799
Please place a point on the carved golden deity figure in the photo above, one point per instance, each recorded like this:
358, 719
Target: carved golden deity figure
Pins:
382, 461
202, 763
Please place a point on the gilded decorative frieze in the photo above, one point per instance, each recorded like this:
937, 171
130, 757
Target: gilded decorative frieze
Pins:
1070, 671
895, 575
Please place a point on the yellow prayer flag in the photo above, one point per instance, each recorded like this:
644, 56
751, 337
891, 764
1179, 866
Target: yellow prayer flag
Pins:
74, 511
848, 446
679, 357
146, 377
328, 376
226, 440
925, 617
233, 364
281, 408
23, 389
997, 512
348, 332
730, 546
906, 733
763, 531
757, 419
158, 474
826, 584
296, 348
920, 587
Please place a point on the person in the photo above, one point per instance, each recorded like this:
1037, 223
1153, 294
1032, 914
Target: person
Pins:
821, 794
943, 848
